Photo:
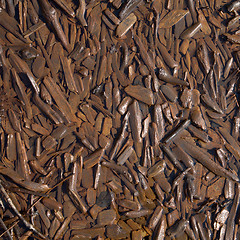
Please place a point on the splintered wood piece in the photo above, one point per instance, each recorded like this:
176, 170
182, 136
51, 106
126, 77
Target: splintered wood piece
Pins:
106, 217
93, 159
230, 140
51, 16
22, 163
21, 66
136, 126
166, 56
216, 189
169, 93
156, 169
38, 67
112, 16
154, 220
19, 88
88, 232
114, 231
197, 118
160, 234
30, 185
125, 25
107, 125
33, 29
65, 6
68, 74
172, 18
203, 158
59, 98
81, 12
140, 93
191, 31
205, 26
75, 197
125, 155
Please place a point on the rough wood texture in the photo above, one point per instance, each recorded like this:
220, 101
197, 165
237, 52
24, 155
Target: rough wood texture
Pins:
119, 119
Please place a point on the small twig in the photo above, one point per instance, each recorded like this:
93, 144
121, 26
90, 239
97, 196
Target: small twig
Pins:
11, 204
10, 228
45, 54
63, 180
6, 230
21, 190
